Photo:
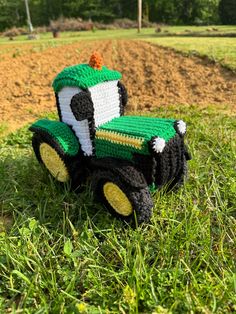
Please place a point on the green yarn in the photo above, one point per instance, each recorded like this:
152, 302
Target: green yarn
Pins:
108, 149
61, 133
142, 127
139, 127
83, 76
152, 187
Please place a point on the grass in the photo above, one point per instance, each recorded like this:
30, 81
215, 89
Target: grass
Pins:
221, 28
3, 128
66, 37
62, 253
118, 33
219, 49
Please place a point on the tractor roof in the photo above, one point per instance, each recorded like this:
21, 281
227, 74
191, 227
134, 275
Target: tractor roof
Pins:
85, 75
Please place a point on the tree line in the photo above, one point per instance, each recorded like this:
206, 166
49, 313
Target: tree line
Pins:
178, 12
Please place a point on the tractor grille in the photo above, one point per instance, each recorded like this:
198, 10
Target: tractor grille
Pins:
168, 165
164, 168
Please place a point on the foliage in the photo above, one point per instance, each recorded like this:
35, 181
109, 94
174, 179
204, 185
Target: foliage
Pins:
184, 11
227, 11
71, 24
61, 253
12, 12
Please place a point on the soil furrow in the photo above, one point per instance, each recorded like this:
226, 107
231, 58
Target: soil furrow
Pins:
154, 76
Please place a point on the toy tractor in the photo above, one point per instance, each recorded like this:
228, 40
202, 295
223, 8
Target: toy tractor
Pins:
125, 157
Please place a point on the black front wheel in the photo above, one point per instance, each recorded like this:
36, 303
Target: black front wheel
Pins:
121, 199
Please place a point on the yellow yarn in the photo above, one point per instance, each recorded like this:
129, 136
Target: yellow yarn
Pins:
120, 138
53, 162
117, 199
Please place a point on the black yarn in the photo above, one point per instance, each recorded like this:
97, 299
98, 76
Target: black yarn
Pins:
187, 153
180, 177
169, 165
146, 165
140, 198
58, 106
92, 132
123, 168
123, 97
82, 106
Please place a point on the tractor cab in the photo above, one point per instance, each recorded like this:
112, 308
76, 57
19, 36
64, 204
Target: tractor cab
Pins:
89, 95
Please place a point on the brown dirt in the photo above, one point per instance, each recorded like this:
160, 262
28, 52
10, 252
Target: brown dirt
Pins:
154, 76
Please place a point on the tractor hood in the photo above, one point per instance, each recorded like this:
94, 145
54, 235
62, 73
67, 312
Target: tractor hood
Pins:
123, 136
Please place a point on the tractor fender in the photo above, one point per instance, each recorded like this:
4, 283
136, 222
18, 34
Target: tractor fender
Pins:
124, 169
60, 133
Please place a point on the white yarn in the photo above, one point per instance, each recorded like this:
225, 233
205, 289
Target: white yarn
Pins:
105, 97
181, 125
81, 128
159, 144
106, 101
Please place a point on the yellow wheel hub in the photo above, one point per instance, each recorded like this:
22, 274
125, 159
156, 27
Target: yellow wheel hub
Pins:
53, 162
117, 199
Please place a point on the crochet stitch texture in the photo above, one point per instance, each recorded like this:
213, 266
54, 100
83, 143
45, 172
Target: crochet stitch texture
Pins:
123, 136
124, 157
61, 133
96, 61
84, 76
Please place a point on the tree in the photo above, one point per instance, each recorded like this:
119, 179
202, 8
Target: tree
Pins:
139, 15
11, 14
208, 13
163, 11
28, 16
227, 11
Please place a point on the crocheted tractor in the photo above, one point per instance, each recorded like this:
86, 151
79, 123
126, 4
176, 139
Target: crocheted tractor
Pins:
125, 157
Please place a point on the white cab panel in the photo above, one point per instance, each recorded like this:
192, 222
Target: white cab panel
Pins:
106, 101
80, 128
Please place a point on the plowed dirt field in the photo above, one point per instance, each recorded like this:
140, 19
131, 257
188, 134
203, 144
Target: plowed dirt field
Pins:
154, 76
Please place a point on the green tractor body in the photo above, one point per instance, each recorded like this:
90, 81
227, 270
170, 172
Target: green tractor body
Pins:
124, 136
125, 155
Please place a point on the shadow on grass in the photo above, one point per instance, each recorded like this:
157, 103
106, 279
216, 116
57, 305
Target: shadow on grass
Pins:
27, 190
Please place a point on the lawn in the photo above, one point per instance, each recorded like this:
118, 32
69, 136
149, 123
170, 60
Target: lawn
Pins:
85, 35
218, 49
62, 253
119, 33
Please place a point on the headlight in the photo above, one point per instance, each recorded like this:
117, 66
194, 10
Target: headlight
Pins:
158, 144
180, 127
